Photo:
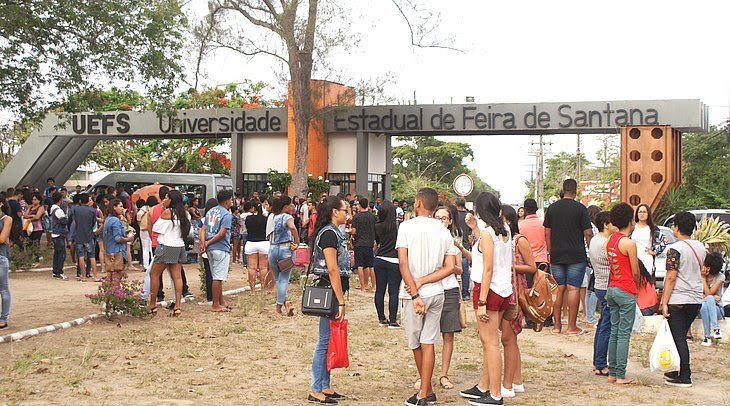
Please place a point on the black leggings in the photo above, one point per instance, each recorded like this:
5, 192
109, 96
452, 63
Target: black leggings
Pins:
387, 274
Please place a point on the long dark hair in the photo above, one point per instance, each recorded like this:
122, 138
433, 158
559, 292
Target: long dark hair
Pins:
488, 206
510, 215
110, 208
649, 220
257, 206
386, 215
212, 202
324, 215
5, 209
454, 216
178, 212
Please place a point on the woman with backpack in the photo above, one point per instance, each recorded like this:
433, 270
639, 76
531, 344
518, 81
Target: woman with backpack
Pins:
523, 264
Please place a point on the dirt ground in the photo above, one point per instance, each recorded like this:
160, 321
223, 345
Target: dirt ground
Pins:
253, 356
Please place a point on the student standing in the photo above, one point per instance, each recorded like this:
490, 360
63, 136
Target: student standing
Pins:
426, 255
623, 286
683, 296
59, 231
363, 230
567, 225
215, 241
387, 274
599, 260
6, 223
284, 241
330, 261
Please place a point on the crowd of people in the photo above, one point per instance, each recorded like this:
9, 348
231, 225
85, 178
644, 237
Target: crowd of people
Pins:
426, 263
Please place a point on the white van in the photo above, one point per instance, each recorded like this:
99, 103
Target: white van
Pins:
203, 186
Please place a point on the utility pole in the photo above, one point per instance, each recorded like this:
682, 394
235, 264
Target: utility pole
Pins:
577, 164
540, 169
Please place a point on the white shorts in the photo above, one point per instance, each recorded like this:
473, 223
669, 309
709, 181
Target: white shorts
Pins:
257, 247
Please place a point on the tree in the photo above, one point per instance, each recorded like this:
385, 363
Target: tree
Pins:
52, 49
299, 35
558, 168
428, 162
706, 180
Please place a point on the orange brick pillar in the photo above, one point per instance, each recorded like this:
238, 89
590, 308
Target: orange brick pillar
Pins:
324, 94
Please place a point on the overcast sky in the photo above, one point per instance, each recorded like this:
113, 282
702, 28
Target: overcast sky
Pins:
532, 51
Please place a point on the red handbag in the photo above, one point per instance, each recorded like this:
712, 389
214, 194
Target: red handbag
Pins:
337, 347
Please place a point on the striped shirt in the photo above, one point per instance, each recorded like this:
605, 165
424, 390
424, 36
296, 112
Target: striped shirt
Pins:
599, 260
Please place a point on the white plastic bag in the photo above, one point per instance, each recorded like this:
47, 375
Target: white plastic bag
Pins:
663, 355
638, 321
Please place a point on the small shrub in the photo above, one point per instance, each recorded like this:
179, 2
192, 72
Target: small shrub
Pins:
201, 273
120, 296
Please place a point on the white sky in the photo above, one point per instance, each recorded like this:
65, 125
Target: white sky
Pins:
532, 51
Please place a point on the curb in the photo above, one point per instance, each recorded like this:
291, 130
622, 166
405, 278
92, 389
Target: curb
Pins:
42, 269
77, 322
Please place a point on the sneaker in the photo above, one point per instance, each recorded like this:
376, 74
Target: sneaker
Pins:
431, 399
706, 342
718, 334
472, 393
383, 323
326, 401
486, 400
671, 375
63, 277
393, 326
415, 401
518, 388
188, 295
679, 382
507, 393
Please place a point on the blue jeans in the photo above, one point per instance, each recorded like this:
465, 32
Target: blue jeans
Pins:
59, 254
244, 257
710, 313
623, 308
591, 302
464, 278
569, 274
278, 252
4, 289
603, 333
320, 374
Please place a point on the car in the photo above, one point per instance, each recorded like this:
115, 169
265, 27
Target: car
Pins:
660, 262
723, 214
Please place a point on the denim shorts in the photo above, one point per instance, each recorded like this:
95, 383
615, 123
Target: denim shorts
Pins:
219, 264
87, 249
569, 274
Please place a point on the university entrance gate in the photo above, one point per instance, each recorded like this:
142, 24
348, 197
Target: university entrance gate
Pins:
351, 140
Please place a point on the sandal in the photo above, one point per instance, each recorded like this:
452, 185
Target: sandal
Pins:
445, 382
4, 325
290, 309
600, 372
176, 313
152, 311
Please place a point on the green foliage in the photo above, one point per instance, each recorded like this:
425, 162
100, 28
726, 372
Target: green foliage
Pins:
52, 49
428, 162
706, 180
120, 296
317, 186
279, 180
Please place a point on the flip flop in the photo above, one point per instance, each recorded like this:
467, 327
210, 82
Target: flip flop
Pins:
630, 382
447, 383
555, 332
4, 325
223, 310
600, 372
581, 332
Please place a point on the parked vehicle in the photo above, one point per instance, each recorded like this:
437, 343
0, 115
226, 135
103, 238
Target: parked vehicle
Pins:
723, 214
203, 186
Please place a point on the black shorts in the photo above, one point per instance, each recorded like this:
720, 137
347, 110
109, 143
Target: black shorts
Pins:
364, 257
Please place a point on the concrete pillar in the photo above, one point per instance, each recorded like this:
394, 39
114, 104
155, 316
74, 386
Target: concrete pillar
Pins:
361, 165
237, 162
387, 184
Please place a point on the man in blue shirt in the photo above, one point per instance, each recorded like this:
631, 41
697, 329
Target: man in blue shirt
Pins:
215, 241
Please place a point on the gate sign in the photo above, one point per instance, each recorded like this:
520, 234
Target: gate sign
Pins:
463, 185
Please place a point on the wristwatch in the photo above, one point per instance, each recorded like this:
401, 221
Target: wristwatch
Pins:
482, 303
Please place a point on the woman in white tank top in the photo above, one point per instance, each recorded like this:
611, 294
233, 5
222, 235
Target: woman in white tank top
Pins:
492, 291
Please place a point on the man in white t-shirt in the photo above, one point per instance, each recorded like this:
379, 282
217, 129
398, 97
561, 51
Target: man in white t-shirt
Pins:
426, 255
